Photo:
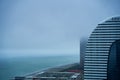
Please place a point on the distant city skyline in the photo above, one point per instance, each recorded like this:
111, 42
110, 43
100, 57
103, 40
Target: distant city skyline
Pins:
49, 27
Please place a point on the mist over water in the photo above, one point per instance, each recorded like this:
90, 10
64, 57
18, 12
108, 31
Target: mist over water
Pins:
17, 66
49, 27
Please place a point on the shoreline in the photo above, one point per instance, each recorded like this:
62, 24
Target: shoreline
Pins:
51, 68
58, 68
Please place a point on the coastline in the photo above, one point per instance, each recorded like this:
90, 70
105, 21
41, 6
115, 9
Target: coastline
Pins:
58, 68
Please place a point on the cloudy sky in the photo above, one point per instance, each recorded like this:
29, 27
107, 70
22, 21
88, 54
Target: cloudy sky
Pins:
50, 27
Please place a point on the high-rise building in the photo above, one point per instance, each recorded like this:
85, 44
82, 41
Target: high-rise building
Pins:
83, 42
102, 56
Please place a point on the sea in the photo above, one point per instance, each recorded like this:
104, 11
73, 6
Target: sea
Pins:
20, 66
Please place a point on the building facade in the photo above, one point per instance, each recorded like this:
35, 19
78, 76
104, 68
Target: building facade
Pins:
102, 56
83, 42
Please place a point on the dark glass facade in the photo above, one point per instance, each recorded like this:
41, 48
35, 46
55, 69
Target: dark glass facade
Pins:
102, 54
114, 61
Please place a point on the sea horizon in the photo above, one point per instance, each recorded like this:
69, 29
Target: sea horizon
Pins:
20, 66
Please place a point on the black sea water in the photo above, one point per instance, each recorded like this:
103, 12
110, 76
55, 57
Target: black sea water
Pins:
18, 66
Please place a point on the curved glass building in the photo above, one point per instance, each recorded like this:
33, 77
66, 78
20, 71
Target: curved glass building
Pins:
102, 56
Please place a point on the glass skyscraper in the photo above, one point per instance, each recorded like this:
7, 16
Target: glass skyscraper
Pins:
102, 56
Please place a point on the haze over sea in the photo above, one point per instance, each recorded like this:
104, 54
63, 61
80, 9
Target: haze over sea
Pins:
31, 27
18, 66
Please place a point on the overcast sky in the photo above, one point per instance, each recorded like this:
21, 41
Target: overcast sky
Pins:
42, 27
